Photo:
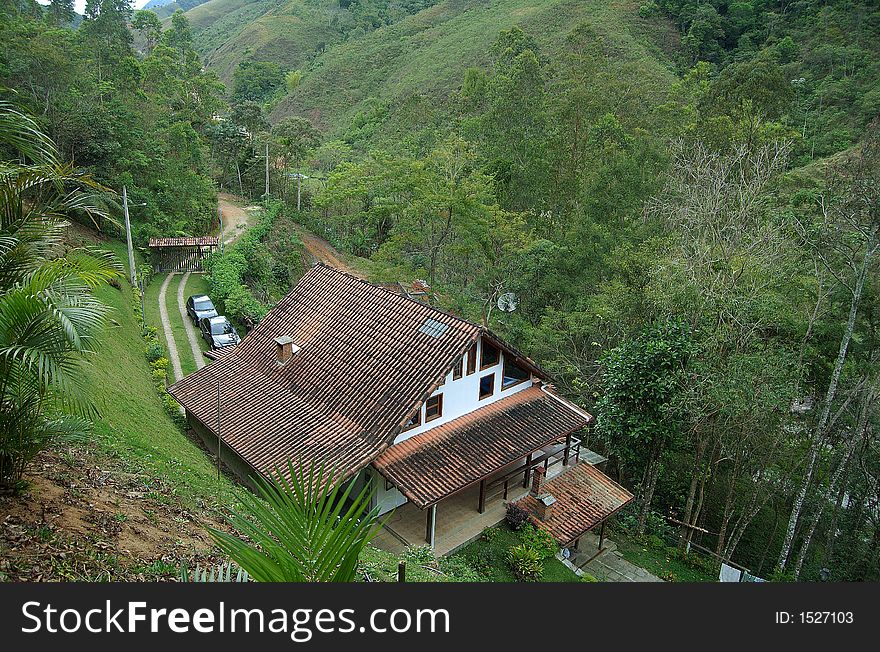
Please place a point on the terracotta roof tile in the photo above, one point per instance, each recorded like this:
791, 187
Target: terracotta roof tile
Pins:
362, 369
584, 498
432, 465
190, 241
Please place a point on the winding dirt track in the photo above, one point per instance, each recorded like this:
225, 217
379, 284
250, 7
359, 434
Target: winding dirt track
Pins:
235, 218
322, 251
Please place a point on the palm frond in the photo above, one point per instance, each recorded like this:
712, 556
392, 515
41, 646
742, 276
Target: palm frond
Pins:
306, 525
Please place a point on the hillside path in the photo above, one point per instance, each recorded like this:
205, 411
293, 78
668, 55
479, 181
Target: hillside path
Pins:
235, 218
191, 334
166, 327
322, 251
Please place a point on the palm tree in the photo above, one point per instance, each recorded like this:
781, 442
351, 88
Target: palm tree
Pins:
49, 317
310, 528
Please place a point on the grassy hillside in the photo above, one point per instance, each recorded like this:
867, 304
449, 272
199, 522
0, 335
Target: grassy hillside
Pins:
412, 65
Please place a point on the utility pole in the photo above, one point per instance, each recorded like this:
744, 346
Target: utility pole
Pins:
267, 171
128, 238
299, 178
219, 436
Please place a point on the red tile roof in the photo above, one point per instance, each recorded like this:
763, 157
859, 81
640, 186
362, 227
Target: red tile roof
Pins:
584, 498
203, 241
362, 369
435, 464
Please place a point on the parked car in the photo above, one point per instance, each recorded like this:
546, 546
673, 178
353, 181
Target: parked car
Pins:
218, 332
200, 306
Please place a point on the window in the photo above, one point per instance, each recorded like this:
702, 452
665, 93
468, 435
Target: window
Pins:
434, 408
458, 369
416, 420
489, 355
487, 386
513, 374
388, 485
472, 359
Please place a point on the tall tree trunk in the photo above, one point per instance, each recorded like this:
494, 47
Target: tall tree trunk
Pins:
822, 426
696, 474
651, 475
835, 479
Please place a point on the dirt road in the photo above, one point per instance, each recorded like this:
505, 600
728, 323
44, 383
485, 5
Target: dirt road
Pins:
236, 218
322, 251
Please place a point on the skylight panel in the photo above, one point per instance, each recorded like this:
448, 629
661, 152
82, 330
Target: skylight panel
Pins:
433, 328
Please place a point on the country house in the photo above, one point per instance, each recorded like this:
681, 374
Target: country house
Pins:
447, 420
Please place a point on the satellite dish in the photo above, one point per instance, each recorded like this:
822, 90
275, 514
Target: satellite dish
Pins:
508, 302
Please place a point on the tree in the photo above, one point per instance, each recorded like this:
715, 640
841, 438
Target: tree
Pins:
49, 318
149, 26
638, 420
845, 241
305, 525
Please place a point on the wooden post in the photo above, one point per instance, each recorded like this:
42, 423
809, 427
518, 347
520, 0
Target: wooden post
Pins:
401, 571
431, 525
482, 506
567, 450
528, 471
601, 535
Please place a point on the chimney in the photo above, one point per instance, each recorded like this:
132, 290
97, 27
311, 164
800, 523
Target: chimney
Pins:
537, 480
285, 349
545, 506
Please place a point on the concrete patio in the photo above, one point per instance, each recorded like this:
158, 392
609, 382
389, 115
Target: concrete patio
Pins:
458, 520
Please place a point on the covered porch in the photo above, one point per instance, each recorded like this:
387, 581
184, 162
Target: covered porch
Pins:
457, 520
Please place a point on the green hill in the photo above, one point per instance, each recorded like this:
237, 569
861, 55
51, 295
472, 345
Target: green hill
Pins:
412, 64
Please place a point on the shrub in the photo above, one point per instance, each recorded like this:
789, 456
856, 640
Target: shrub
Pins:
649, 10
586, 577
516, 516
525, 563
154, 351
458, 570
420, 554
490, 534
538, 540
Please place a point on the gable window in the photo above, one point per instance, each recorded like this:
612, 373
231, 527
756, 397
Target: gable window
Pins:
415, 420
434, 408
472, 359
513, 374
458, 369
489, 355
487, 386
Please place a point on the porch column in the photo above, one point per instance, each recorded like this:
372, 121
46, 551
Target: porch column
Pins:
567, 450
601, 535
482, 506
527, 474
431, 525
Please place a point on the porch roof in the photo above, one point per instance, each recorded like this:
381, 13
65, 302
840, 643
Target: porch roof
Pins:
444, 460
188, 241
584, 498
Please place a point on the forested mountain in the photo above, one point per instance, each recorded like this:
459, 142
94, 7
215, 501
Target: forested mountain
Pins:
682, 197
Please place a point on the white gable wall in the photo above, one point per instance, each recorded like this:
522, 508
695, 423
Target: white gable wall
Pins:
463, 395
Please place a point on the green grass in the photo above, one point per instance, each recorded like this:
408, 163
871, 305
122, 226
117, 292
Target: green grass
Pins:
663, 561
133, 425
487, 556
196, 284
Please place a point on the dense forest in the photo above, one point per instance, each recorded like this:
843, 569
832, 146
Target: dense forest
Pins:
682, 197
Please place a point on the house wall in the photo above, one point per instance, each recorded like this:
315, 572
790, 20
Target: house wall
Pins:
229, 458
459, 397
386, 499
463, 395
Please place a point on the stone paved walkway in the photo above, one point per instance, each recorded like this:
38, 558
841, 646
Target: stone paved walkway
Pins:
610, 566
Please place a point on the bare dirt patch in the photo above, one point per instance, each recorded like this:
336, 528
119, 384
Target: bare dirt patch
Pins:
84, 517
